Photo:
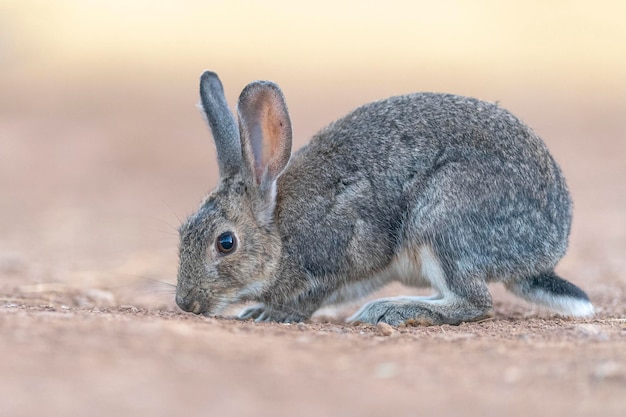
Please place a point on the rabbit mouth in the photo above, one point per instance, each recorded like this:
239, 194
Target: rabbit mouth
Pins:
197, 302
193, 302
196, 307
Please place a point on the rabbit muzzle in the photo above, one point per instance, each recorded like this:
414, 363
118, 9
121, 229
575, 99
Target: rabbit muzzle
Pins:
191, 302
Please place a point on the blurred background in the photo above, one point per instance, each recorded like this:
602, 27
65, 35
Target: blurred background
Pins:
103, 151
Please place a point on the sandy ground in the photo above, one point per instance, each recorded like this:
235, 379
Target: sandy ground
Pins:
92, 193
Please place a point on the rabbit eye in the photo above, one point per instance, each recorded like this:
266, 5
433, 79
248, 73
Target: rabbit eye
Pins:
226, 242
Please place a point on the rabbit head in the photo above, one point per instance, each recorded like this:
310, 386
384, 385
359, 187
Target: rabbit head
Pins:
230, 247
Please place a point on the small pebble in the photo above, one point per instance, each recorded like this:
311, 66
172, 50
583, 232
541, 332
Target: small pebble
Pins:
587, 329
386, 370
609, 371
512, 375
384, 329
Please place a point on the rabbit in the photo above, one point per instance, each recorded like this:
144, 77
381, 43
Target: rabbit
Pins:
425, 189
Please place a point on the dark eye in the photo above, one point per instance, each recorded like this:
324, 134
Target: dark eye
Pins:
226, 242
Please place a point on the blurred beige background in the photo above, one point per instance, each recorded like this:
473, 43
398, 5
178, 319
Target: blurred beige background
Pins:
102, 149
558, 45
103, 152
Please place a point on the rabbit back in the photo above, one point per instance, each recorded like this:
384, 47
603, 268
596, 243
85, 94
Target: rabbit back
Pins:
458, 173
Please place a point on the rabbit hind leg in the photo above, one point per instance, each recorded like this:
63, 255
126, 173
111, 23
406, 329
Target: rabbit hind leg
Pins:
458, 299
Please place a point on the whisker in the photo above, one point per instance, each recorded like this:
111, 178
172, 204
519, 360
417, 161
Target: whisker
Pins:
169, 233
173, 212
162, 282
160, 287
165, 222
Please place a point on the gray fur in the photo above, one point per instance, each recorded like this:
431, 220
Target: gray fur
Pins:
426, 189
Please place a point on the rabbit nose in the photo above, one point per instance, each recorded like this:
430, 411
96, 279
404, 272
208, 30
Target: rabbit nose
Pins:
189, 302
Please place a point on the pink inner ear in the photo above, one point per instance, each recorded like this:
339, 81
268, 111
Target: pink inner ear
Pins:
266, 130
271, 130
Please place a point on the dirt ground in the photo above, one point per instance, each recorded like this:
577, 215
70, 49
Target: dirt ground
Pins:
94, 182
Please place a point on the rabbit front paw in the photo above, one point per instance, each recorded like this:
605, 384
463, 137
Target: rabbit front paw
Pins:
252, 312
263, 313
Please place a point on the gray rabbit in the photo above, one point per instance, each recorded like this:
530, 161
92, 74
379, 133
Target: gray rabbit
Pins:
426, 189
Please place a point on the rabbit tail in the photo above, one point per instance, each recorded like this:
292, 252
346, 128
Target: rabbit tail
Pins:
555, 293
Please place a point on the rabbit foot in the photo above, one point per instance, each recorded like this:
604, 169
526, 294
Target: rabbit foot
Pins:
263, 313
251, 312
418, 311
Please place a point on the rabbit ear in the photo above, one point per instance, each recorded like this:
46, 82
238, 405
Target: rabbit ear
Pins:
222, 123
265, 131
